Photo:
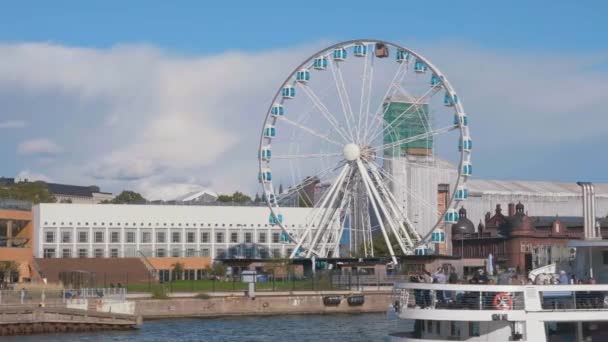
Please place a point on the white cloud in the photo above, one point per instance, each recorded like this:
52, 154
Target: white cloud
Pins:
41, 147
12, 124
134, 116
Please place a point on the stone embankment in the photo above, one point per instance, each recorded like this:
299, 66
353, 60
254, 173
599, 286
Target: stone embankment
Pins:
263, 304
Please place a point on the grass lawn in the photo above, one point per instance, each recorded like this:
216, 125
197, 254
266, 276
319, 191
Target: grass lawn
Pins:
225, 286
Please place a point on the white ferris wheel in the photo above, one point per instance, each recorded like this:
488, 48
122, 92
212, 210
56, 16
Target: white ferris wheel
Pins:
364, 132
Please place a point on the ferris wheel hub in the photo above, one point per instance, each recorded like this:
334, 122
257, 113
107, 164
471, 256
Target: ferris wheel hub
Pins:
351, 151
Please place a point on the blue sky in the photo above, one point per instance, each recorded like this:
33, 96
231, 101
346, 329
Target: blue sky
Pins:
215, 26
84, 86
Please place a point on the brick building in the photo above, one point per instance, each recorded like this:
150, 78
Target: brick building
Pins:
516, 239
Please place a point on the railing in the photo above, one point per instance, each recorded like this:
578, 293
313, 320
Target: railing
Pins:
153, 271
576, 297
106, 293
412, 296
458, 297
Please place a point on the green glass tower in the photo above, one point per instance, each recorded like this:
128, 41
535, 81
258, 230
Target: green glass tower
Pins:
403, 120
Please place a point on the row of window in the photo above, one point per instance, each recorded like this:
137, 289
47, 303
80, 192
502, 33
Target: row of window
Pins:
162, 253
146, 237
241, 225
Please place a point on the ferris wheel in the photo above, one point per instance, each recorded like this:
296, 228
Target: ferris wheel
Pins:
374, 139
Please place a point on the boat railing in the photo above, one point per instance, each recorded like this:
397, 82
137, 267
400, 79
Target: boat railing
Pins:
412, 296
458, 297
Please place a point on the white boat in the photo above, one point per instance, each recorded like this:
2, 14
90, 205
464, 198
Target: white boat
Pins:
470, 312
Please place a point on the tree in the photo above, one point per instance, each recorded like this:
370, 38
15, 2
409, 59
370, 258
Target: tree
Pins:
218, 269
280, 189
35, 192
240, 197
8, 268
177, 269
129, 197
257, 198
380, 248
224, 198
66, 200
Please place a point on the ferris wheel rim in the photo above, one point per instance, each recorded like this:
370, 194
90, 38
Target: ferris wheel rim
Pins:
445, 84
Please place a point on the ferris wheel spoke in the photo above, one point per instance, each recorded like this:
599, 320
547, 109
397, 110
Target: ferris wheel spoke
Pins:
393, 205
378, 129
311, 131
366, 88
343, 96
337, 228
422, 136
379, 112
410, 192
317, 103
307, 156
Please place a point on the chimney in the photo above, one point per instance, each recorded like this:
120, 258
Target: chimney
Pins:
511, 209
588, 210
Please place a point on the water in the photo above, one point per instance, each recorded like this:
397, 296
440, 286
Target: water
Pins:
296, 328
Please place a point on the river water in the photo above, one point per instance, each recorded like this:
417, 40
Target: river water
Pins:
296, 328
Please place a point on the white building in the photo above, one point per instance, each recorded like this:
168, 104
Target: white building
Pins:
110, 230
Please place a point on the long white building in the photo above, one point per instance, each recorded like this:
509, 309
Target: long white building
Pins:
109, 230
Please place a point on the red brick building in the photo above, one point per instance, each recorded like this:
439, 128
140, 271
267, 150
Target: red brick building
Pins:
516, 239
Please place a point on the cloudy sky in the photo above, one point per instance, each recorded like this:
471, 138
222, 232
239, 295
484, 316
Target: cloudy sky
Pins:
165, 100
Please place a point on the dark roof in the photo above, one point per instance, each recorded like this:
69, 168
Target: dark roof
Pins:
72, 190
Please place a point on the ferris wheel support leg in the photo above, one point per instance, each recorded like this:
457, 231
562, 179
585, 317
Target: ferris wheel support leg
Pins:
336, 216
375, 207
390, 199
319, 211
385, 212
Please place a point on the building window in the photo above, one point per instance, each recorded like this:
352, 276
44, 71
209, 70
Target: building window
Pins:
190, 252
205, 252
175, 253
146, 237
83, 237
114, 253
220, 253
234, 237
276, 237
605, 257
82, 253
248, 237
219, 237
98, 237
66, 253
49, 237
160, 237
160, 253
262, 238
175, 237
130, 237
49, 253
289, 251
115, 237
205, 237
438, 327
66, 237
98, 252
473, 329
190, 237
276, 253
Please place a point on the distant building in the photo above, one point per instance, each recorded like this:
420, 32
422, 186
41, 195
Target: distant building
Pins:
6, 181
65, 193
162, 231
204, 196
517, 240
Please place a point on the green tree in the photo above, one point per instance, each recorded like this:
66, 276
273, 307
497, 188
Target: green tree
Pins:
129, 197
7, 268
66, 200
177, 269
218, 269
35, 192
224, 198
280, 189
240, 197
257, 198
380, 247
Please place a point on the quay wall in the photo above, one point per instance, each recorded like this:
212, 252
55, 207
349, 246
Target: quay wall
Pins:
260, 306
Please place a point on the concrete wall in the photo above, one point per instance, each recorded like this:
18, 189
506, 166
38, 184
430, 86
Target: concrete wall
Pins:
262, 305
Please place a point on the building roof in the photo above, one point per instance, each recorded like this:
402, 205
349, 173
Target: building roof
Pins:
530, 188
72, 190
195, 194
